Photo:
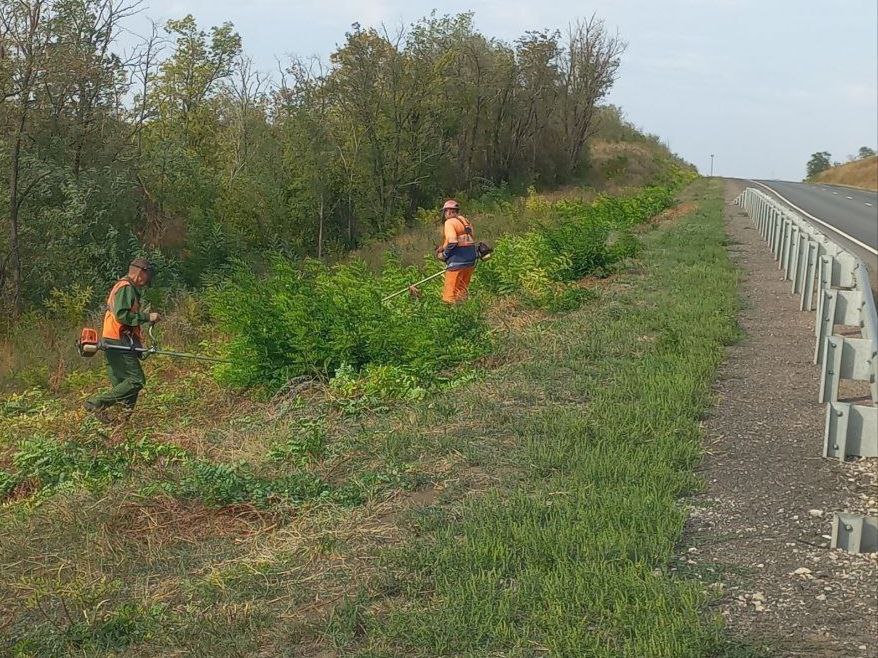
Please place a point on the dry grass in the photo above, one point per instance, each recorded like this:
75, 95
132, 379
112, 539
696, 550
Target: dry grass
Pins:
164, 521
860, 173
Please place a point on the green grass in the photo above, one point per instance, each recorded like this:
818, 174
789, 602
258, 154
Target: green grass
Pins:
572, 556
533, 510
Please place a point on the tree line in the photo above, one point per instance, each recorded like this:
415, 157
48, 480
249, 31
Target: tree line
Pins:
183, 151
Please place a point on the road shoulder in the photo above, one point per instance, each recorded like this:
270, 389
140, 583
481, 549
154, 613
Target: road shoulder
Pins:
763, 519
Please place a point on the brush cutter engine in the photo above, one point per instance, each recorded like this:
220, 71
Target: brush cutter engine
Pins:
88, 344
483, 250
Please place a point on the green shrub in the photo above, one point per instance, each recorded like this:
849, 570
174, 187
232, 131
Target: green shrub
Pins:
585, 239
52, 463
376, 382
314, 320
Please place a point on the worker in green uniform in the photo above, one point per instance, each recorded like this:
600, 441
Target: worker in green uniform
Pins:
123, 320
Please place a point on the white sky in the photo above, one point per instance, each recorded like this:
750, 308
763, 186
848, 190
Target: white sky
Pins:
761, 84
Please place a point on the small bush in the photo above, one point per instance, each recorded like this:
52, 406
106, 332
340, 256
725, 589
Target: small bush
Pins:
307, 445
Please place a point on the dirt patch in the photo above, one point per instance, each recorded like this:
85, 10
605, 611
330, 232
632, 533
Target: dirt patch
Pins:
671, 215
762, 524
166, 521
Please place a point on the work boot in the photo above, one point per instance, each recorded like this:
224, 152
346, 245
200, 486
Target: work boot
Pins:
97, 411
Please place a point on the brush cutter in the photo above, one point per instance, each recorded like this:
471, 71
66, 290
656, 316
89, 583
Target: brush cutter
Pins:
414, 285
483, 252
89, 344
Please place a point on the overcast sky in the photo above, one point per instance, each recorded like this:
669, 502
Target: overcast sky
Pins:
761, 84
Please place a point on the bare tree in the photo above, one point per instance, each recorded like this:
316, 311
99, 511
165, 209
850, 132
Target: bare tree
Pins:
588, 70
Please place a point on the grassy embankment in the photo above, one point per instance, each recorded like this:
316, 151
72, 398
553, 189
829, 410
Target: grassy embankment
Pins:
860, 173
533, 510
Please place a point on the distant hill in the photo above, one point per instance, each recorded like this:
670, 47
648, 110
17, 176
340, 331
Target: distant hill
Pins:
860, 173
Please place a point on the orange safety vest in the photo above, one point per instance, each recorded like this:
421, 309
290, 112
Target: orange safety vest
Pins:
463, 230
112, 327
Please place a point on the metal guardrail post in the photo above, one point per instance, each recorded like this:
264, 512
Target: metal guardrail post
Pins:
854, 533
810, 277
840, 281
851, 431
792, 248
783, 262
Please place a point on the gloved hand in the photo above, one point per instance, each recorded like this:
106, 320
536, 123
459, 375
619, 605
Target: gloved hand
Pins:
154, 317
440, 253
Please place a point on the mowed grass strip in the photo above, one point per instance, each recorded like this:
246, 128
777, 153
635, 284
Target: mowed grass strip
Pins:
570, 554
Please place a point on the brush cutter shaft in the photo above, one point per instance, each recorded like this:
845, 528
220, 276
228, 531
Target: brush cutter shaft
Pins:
147, 351
399, 292
88, 345
483, 251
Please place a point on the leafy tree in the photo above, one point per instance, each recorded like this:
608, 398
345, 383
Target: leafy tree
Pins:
183, 151
865, 152
819, 161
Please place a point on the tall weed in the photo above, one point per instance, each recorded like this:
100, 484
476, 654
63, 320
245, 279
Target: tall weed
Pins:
316, 320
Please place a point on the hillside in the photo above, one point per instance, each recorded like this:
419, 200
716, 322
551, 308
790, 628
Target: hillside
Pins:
860, 173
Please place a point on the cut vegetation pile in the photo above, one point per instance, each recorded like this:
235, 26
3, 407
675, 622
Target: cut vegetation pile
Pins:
533, 509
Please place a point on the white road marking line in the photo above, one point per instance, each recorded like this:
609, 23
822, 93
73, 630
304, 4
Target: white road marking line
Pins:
835, 192
849, 197
869, 204
871, 250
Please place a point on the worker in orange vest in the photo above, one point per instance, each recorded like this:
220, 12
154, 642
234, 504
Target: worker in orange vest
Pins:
459, 252
123, 320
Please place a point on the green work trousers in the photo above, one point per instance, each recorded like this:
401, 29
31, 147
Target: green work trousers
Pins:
126, 375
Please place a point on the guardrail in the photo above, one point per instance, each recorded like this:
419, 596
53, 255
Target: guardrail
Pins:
836, 282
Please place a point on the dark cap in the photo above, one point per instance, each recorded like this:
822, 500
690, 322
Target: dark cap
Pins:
143, 264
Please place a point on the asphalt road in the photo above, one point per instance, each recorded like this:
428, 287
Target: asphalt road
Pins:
852, 213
